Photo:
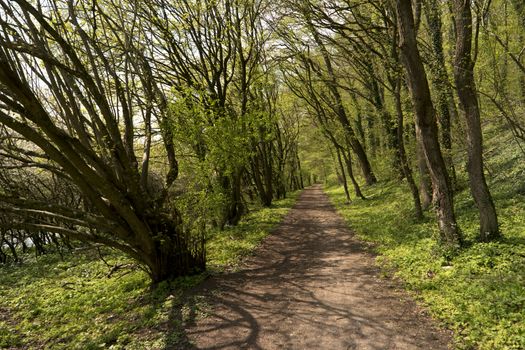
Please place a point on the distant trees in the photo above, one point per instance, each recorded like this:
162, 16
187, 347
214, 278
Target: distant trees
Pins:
29, 187
376, 54
311, 75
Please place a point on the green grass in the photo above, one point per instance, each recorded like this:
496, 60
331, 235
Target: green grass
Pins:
72, 303
480, 293
225, 248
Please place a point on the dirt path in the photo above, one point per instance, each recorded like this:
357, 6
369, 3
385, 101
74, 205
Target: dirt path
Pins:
311, 285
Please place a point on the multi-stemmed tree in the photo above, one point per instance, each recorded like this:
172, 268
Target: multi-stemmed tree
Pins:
78, 95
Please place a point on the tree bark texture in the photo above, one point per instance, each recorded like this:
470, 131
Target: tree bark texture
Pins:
440, 80
467, 93
348, 160
450, 234
425, 183
407, 171
343, 175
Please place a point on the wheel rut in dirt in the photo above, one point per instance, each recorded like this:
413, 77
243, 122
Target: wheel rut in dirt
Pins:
310, 285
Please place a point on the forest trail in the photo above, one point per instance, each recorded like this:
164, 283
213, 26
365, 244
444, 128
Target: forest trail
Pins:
310, 285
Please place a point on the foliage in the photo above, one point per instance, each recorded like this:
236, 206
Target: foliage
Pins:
161, 116
151, 127
480, 293
225, 248
83, 302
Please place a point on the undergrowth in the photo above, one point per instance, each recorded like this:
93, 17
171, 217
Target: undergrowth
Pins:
480, 293
84, 302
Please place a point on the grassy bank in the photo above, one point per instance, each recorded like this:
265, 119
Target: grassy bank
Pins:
479, 294
83, 302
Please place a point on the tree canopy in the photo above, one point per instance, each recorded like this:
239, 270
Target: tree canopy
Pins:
143, 125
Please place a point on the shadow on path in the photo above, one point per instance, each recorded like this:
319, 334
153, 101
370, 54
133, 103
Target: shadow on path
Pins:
310, 285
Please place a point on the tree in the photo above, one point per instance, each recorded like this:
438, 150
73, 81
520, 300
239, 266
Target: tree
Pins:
445, 100
324, 70
78, 95
405, 165
213, 57
198, 53
466, 89
426, 123
300, 79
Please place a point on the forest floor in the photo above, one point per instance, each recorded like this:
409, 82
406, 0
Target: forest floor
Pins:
310, 285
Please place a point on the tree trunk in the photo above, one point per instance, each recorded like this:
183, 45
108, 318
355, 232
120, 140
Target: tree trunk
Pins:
175, 253
466, 88
450, 234
445, 99
348, 160
268, 175
3, 256
280, 185
38, 244
234, 208
366, 168
343, 175
425, 184
407, 172
264, 189
299, 170
12, 248
359, 121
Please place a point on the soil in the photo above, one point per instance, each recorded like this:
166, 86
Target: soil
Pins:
310, 285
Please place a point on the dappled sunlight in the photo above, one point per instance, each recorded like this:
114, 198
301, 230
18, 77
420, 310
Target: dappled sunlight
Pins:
310, 285
477, 293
